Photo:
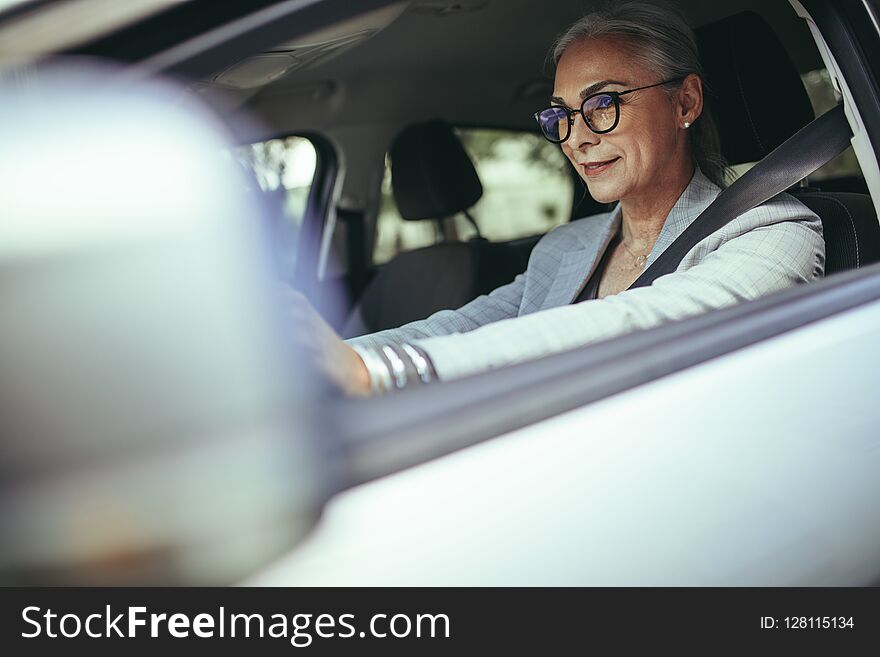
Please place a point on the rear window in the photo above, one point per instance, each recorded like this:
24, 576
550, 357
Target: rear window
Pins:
527, 190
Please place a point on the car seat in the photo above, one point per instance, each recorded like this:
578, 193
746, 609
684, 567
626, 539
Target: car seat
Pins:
432, 178
758, 100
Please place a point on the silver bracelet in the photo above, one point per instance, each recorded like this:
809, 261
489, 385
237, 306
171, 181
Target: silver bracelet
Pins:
398, 367
420, 363
380, 375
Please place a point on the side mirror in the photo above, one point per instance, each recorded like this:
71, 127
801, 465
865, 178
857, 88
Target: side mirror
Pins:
152, 430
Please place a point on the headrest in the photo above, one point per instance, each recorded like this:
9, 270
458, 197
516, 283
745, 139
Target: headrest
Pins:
754, 89
431, 174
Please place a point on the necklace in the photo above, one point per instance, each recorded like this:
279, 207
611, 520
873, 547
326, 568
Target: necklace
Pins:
640, 260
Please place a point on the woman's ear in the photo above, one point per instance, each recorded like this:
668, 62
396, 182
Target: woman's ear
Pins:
690, 99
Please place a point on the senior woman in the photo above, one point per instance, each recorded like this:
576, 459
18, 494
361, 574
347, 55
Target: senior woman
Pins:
627, 109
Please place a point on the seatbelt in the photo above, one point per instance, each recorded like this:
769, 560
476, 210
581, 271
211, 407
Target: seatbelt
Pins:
793, 160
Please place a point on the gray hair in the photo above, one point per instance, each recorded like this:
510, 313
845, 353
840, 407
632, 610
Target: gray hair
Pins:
664, 43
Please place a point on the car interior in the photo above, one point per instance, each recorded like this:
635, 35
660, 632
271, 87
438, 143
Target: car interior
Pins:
398, 103
397, 85
390, 100
394, 153
396, 140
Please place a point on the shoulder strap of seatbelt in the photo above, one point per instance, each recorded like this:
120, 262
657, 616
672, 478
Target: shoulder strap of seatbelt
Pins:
793, 160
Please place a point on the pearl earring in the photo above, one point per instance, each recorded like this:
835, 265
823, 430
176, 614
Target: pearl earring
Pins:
687, 124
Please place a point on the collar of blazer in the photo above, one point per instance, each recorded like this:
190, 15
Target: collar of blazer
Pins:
695, 198
595, 233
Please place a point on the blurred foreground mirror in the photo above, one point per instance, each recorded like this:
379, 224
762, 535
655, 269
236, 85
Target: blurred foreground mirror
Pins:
151, 428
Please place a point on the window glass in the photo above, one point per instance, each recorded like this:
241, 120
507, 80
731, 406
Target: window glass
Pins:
284, 168
527, 190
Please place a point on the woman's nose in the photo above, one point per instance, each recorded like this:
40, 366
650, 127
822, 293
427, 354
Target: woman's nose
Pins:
581, 135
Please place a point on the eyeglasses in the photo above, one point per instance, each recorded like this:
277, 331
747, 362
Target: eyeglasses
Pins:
601, 112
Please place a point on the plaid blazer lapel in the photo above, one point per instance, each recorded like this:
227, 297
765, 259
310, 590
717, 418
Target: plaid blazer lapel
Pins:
576, 266
579, 260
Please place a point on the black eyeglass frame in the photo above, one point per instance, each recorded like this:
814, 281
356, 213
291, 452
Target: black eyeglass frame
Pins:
615, 97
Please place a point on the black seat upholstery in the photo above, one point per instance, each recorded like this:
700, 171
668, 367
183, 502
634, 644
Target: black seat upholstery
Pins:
745, 66
753, 88
418, 283
852, 234
432, 178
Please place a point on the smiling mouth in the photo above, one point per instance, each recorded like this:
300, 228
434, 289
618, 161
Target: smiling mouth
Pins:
597, 167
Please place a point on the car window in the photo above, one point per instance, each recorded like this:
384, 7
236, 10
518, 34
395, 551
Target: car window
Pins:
527, 190
285, 168
844, 169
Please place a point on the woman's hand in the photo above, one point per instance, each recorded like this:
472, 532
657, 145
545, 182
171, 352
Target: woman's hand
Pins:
335, 359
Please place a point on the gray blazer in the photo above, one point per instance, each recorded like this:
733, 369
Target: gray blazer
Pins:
771, 247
